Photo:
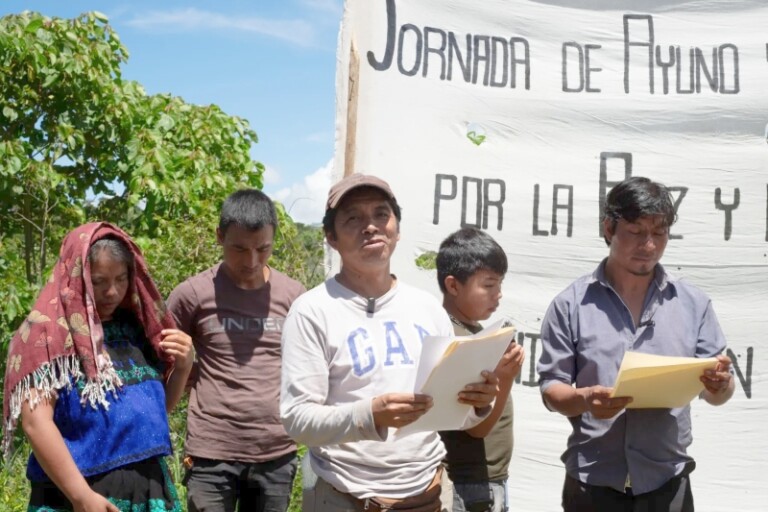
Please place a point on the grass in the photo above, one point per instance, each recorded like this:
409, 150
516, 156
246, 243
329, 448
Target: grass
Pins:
14, 486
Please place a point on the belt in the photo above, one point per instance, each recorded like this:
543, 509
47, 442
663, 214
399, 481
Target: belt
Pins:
426, 501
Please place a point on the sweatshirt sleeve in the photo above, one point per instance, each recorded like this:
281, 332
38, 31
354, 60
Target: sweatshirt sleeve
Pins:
306, 416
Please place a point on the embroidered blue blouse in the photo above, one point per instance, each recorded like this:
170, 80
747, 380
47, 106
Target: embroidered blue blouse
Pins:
135, 427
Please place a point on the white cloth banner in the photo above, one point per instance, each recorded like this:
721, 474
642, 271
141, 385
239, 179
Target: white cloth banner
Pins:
518, 116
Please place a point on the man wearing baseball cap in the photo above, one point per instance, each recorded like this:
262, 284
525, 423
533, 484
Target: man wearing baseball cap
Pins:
351, 348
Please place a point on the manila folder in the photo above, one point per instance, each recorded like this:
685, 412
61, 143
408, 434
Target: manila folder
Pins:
660, 381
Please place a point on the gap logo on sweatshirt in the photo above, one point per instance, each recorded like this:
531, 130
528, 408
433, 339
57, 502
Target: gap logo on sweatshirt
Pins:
388, 346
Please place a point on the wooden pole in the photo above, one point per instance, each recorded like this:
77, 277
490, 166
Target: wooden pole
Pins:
353, 85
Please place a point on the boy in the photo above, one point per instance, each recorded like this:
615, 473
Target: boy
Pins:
470, 269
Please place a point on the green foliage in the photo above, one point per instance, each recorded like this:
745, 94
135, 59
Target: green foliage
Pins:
175, 159
78, 143
56, 77
14, 486
299, 250
187, 247
177, 420
73, 131
16, 293
296, 492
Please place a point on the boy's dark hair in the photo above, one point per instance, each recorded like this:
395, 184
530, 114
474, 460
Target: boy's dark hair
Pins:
329, 218
249, 208
637, 197
466, 251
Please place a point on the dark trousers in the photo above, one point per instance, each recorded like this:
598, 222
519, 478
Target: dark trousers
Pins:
227, 486
673, 496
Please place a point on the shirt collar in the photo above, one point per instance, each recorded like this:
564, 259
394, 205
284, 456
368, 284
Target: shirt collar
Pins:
660, 277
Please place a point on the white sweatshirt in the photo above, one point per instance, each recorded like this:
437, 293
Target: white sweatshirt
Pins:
336, 358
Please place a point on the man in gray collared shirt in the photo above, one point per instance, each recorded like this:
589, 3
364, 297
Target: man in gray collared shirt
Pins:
618, 458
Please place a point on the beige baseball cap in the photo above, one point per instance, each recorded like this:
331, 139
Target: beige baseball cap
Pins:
343, 186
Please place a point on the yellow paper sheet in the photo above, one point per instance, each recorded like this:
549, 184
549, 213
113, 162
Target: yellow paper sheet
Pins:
660, 381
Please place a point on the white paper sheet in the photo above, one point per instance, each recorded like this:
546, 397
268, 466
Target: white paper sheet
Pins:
447, 364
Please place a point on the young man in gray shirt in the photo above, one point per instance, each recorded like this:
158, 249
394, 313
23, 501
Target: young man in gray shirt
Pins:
618, 458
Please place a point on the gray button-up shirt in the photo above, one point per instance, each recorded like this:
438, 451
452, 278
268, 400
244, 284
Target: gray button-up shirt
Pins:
585, 333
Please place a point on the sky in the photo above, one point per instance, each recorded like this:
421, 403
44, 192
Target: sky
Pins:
272, 62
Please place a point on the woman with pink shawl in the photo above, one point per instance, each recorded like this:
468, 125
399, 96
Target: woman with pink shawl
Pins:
92, 372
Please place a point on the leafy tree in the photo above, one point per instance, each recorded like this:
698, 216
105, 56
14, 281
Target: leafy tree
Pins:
78, 142
299, 250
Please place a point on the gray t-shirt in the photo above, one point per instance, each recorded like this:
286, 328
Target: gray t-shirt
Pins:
234, 401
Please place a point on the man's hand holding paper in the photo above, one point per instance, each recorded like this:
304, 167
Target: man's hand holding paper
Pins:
718, 382
447, 363
655, 381
601, 403
399, 409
